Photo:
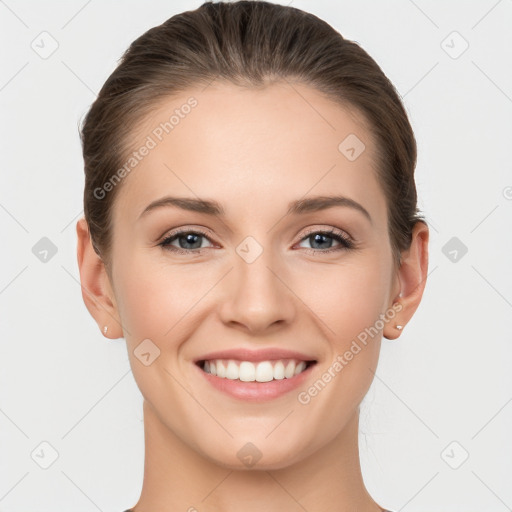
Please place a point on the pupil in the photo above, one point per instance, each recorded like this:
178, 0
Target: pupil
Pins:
318, 237
189, 239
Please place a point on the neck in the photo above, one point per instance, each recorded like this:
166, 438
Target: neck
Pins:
176, 477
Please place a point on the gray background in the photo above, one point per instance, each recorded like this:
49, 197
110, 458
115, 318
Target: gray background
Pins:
442, 391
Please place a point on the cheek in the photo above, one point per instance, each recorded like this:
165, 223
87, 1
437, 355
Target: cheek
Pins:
154, 296
156, 302
354, 296
348, 298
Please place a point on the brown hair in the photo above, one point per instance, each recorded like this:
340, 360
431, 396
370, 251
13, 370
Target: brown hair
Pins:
249, 43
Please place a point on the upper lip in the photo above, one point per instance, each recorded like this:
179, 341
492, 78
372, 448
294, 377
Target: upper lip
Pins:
255, 355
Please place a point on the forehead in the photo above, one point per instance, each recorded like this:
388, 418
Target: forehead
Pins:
250, 148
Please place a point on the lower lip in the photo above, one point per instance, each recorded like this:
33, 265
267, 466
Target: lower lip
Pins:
257, 391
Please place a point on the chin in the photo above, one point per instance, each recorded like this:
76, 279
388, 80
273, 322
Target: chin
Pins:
256, 455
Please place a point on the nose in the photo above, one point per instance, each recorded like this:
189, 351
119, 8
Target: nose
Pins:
257, 297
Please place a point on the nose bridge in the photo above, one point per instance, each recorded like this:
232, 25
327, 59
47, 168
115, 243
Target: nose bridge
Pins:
258, 298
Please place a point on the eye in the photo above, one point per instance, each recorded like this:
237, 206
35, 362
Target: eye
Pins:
189, 241
323, 239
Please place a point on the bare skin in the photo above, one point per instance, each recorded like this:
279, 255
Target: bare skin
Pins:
253, 151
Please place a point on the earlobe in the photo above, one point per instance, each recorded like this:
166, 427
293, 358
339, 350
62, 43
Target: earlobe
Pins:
97, 293
412, 275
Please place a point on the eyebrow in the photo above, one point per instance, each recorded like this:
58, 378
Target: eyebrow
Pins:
300, 206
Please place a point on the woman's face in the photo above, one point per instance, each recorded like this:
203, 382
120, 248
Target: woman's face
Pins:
259, 276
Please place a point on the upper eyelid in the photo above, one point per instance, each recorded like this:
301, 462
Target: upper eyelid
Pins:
199, 231
329, 230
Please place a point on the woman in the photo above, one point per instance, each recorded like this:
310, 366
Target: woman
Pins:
251, 230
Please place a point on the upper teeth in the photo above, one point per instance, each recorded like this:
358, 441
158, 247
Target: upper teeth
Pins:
246, 371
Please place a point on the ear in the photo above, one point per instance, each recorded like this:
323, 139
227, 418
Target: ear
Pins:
97, 291
412, 276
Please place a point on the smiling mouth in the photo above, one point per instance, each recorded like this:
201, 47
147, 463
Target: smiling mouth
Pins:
248, 371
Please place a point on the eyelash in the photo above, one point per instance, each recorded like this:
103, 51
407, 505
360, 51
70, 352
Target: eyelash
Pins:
345, 242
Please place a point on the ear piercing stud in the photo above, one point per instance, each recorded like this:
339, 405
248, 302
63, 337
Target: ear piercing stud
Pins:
399, 327
105, 329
